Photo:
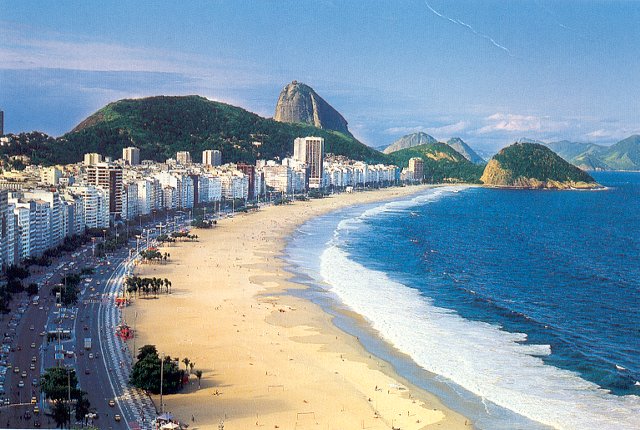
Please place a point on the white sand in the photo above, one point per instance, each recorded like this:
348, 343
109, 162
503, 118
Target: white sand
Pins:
275, 361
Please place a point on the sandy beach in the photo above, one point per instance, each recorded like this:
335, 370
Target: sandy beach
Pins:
270, 360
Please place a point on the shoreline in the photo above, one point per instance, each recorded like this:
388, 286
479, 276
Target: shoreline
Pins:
271, 358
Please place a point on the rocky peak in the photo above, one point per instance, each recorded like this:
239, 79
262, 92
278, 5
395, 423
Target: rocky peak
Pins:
300, 103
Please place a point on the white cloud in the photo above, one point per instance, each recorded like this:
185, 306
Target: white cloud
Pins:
441, 131
449, 130
513, 123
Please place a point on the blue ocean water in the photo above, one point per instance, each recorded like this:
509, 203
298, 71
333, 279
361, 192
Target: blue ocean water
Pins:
530, 300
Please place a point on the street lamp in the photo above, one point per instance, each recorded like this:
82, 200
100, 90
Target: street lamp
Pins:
161, 380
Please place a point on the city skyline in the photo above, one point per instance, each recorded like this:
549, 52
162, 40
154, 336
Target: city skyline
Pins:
489, 73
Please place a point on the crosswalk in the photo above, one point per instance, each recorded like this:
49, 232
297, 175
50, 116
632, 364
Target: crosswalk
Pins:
137, 408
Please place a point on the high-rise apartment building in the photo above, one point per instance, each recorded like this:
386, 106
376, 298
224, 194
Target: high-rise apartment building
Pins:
211, 157
92, 158
310, 151
131, 156
183, 157
1, 123
250, 172
416, 166
109, 178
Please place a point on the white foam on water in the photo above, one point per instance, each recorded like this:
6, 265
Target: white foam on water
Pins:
486, 360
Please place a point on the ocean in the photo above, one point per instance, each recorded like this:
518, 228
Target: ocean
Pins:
518, 308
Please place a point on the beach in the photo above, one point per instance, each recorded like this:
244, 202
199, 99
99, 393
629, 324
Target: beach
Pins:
270, 359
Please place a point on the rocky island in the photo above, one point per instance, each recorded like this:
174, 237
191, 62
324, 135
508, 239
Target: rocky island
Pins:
534, 166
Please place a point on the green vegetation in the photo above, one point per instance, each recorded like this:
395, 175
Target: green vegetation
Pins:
441, 163
624, 155
68, 289
136, 285
146, 372
58, 384
150, 255
161, 126
532, 160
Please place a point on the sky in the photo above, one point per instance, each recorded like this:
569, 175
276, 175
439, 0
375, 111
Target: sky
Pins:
489, 72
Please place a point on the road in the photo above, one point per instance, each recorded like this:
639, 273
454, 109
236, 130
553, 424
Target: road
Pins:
103, 371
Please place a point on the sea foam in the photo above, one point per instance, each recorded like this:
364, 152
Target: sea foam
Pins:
490, 362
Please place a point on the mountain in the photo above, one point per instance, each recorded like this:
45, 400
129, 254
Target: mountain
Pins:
624, 155
570, 150
160, 126
442, 163
299, 103
409, 141
464, 149
531, 165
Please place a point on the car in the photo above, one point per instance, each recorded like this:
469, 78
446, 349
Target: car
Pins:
36, 424
87, 371
24, 374
91, 355
33, 344
27, 415
7, 401
34, 382
34, 400
117, 417
36, 410
16, 369
32, 328
34, 359
43, 333
112, 403
32, 366
20, 384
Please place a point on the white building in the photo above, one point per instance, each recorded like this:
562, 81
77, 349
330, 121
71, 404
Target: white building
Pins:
131, 156
211, 157
50, 175
183, 158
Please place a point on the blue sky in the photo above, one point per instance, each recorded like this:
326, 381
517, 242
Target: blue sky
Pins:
487, 71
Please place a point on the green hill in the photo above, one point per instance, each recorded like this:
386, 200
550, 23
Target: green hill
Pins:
441, 163
160, 126
624, 155
532, 165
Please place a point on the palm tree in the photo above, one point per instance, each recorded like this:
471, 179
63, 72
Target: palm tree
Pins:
191, 366
199, 376
186, 362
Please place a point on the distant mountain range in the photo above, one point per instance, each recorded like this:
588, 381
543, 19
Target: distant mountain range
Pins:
624, 155
421, 138
410, 140
532, 165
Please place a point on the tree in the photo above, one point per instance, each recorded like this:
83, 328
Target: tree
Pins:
186, 362
56, 381
32, 289
191, 366
147, 350
60, 413
146, 372
199, 376
83, 406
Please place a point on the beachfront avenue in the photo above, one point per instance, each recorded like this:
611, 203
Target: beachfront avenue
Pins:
80, 338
